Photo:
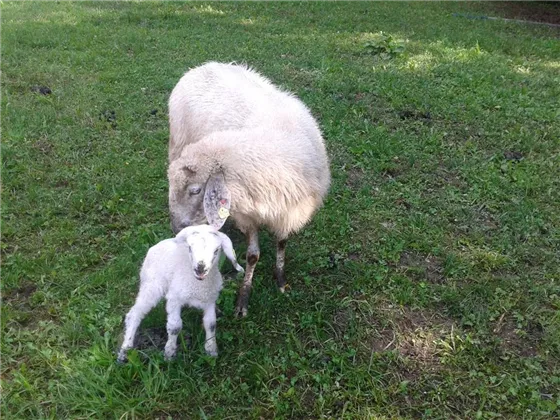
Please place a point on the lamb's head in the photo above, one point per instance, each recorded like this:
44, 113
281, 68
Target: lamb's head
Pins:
197, 194
204, 243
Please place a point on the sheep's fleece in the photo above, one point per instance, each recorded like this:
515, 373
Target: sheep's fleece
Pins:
240, 146
229, 121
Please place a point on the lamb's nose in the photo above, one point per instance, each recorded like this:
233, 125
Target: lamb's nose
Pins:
200, 269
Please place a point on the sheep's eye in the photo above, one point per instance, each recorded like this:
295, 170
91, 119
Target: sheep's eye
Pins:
194, 190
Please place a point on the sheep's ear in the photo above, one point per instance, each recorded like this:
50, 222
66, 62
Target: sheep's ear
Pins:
227, 247
217, 200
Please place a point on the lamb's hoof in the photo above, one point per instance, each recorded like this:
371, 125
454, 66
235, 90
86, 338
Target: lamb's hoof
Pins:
241, 311
121, 358
169, 357
213, 353
282, 289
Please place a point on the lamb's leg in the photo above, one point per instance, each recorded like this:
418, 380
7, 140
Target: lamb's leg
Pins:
145, 301
279, 273
253, 253
209, 321
174, 325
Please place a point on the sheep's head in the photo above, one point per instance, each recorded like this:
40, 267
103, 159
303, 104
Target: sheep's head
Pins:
205, 243
197, 195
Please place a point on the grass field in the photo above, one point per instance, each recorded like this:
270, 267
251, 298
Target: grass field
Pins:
428, 284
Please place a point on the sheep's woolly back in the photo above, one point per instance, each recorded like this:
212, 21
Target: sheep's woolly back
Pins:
265, 141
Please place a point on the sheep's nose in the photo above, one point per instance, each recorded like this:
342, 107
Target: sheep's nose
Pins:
179, 226
184, 224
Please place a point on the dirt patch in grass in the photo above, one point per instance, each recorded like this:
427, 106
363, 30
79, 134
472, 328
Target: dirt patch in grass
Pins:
421, 267
43, 90
412, 114
536, 11
414, 335
43, 146
513, 155
354, 179
342, 320
20, 294
446, 176
401, 202
383, 340
110, 117
25, 308
520, 341
485, 219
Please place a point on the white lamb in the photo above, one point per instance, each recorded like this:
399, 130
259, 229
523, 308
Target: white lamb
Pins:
185, 270
239, 145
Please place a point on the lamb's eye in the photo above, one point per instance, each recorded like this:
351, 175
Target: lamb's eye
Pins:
194, 190
216, 251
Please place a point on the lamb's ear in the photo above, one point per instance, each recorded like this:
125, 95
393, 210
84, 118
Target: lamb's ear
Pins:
217, 200
183, 234
227, 247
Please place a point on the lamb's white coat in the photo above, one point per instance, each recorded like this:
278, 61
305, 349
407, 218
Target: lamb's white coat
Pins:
170, 270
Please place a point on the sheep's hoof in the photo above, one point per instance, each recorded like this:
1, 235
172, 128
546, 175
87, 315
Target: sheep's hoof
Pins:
213, 353
242, 303
280, 278
241, 311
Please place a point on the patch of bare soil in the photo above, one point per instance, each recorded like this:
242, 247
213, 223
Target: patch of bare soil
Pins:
414, 334
534, 11
21, 294
43, 146
354, 179
43, 90
519, 341
412, 114
26, 313
422, 267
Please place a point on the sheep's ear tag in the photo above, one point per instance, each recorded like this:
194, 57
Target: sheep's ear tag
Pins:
217, 201
223, 213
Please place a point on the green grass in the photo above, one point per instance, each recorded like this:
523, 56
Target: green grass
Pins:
427, 286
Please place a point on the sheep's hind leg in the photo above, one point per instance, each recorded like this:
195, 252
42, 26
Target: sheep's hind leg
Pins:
279, 272
174, 325
253, 253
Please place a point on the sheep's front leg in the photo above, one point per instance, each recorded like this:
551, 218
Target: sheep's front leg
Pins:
209, 321
145, 301
279, 273
253, 253
174, 325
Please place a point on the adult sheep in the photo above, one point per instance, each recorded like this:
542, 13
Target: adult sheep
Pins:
240, 146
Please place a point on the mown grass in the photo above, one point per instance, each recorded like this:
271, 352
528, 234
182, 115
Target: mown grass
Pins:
427, 286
